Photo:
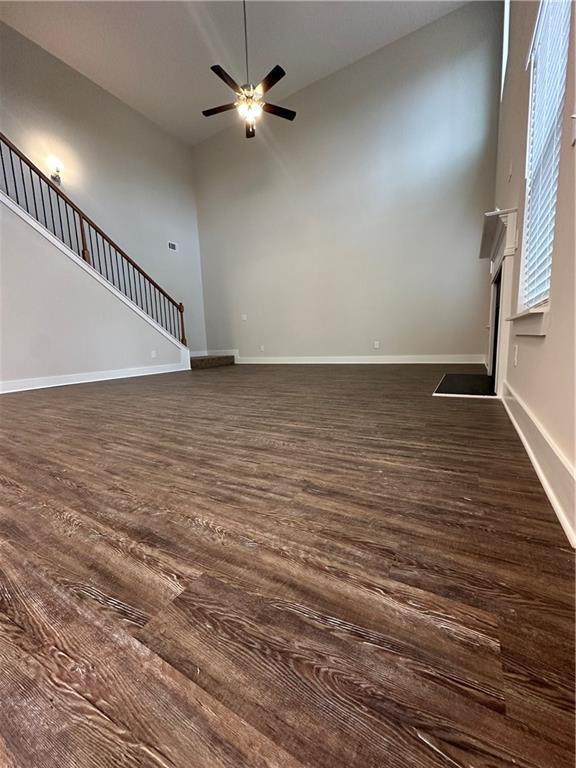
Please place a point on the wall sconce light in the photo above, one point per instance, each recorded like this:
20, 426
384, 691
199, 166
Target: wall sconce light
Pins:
55, 167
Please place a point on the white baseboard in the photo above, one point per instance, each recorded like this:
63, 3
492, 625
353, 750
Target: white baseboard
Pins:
557, 475
20, 385
362, 360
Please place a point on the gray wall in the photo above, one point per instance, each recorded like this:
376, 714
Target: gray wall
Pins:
360, 221
133, 179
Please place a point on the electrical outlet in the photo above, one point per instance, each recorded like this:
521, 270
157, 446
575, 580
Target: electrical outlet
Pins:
376, 344
172, 246
153, 354
515, 355
261, 347
244, 317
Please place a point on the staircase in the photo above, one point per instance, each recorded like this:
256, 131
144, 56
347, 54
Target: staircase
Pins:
42, 199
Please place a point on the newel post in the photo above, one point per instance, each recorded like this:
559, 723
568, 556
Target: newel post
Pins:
85, 251
182, 333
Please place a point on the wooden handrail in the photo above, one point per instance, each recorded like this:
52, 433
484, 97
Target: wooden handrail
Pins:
86, 219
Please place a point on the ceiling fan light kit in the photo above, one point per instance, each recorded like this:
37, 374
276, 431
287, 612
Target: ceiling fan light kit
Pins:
249, 102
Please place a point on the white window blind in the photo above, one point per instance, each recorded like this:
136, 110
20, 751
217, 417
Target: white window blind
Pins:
548, 61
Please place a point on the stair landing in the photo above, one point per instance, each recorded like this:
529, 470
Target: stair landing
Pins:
211, 361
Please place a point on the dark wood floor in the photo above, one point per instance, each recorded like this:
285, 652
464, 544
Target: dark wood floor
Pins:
278, 567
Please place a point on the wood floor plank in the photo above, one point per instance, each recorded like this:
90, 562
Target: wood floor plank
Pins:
385, 581
272, 656
77, 691
89, 559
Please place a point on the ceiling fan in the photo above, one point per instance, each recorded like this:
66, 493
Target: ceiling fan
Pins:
249, 102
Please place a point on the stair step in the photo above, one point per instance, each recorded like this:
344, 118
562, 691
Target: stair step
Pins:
211, 361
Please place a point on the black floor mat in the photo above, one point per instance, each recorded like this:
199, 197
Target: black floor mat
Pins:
471, 384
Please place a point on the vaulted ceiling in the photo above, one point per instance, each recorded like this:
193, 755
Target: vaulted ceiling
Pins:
156, 56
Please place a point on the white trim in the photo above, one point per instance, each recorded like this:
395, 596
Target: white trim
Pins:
20, 385
532, 321
470, 397
493, 339
504, 329
9, 203
538, 309
499, 225
557, 475
365, 360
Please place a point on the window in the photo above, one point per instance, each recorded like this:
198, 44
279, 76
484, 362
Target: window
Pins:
548, 63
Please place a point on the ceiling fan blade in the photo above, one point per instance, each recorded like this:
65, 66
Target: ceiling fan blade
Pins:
271, 79
250, 131
273, 109
217, 110
223, 75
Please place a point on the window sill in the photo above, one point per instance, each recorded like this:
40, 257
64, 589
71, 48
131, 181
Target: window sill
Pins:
531, 322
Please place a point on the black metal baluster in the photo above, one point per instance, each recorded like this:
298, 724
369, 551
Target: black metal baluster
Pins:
143, 280
164, 311
33, 193
4, 168
77, 224
156, 304
132, 283
67, 217
51, 210
111, 262
128, 286
136, 287
94, 248
138, 277
40, 183
149, 287
109, 270
93, 251
24, 186
102, 257
123, 262
106, 243
118, 270
11, 155
144, 294
60, 217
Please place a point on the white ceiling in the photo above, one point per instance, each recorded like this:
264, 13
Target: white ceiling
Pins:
156, 56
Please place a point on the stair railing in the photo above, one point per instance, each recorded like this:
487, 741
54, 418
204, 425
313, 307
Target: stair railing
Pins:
40, 197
